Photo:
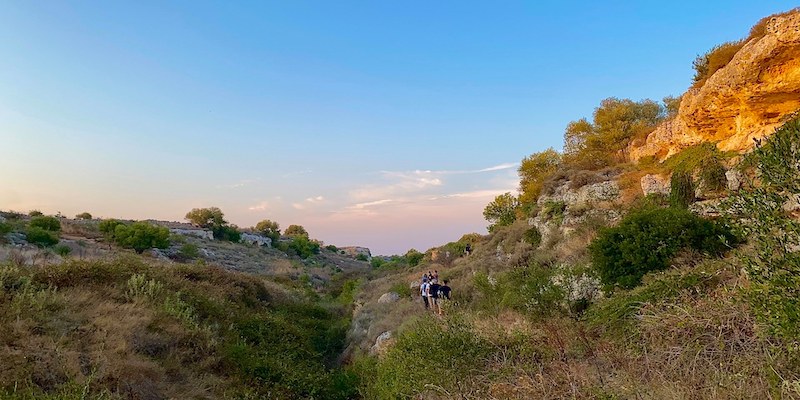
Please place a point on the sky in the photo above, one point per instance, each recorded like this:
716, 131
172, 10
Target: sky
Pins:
388, 125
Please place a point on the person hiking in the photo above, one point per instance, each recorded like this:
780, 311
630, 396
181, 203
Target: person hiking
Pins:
423, 291
444, 295
433, 295
435, 275
468, 249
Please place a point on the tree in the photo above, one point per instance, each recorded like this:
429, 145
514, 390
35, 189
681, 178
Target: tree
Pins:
83, 215
413, 257
108, 227
615, 123
295, 230
141, 236
501, 211
269, 229
533, 171
208, 218
672, 105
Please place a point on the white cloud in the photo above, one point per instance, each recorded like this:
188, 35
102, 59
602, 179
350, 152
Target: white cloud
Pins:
308, 202
262, 206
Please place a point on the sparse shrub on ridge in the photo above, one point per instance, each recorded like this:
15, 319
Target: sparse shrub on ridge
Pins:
681, 192
83, 215
41, 237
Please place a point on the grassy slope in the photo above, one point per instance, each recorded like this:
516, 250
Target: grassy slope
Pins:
130, 328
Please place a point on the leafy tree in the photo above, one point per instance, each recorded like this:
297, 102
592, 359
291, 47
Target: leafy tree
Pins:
302, 246
296, 230
533, 171
615, 123
413, 257
108, 227
51, 224
646, 240
672, 105
269, 229
83, 215
501, 211
208, 218
141, 236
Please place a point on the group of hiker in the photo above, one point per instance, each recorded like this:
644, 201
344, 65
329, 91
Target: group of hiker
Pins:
433, 294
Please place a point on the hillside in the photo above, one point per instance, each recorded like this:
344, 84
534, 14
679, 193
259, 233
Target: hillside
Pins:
655, 257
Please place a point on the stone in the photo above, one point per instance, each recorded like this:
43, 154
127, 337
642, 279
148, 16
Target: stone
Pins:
390, 297
655, 184
16, 239
355, 251
592, 193
254, 239
734, 180
381, 343
741, 102
201, 233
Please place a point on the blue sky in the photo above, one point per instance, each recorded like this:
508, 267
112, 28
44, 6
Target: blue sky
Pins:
383, 124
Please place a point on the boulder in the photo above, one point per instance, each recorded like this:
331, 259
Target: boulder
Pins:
390, 297
381, 343
734, 180
197, 232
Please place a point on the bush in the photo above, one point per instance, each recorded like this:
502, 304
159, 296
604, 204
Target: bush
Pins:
41, 237
189, 251
141, 236
332, 248
227, 232
83, 215
433, 353
758, 211
303, 247
5, 228
502, 211
62, 250
718, 57
51, 224
647, 240
681, 192
35, 213
108, 227
533, 236
362, 257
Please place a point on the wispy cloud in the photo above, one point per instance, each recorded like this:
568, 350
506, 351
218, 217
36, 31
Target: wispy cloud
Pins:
360, 206
262, 206
239, 184
308, 202
477, 194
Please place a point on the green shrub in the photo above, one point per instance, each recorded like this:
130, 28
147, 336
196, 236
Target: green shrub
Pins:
51, 224
533, 236
681, 192
432, 353
773, 266
332, 248
62, 250
83, 215
5, 228
108, 227
554, 211
362, 257
713, 176
41, 237
141, 236
189, 251
502, 211
35, 213
302, 247
413, 257
401, 288
227, 232
646, 240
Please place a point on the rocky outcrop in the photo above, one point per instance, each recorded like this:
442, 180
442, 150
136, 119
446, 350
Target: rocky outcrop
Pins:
654, 184
381, 343
258, 240
197, 232
745, 100
355, 251
596, 192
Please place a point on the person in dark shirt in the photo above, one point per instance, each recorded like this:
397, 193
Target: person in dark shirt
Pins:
444, 295
433, 295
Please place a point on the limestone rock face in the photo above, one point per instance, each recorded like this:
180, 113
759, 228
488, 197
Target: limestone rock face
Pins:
355, 251
601, 191
196, 232
745, 100
655, 184
381, 343
258, 240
